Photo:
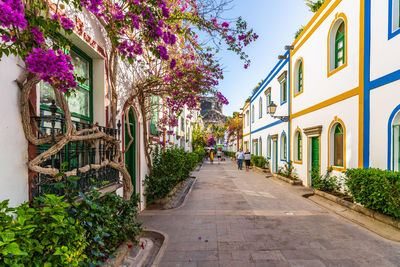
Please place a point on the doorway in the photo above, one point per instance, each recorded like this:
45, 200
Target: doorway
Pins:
130, 155
275, 156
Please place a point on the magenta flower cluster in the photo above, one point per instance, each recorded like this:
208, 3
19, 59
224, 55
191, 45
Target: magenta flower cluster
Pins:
12, 14
130, 49
53, 68
94, 6
37, 35
163, 52
66, 23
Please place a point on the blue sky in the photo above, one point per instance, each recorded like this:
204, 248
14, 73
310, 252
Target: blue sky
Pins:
275, 21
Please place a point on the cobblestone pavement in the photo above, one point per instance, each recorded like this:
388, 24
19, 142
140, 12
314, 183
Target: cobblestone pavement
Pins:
238, 218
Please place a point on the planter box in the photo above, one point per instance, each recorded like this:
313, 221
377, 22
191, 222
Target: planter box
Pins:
358, 208
287, 180
162, 202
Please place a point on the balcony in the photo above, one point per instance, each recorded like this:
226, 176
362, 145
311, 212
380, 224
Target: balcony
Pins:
73, 156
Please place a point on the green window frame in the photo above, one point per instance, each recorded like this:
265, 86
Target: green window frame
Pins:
283, 147
260, 108
340, 46
283, 91
299, 147
154, 116
338, 159
300, 78
396, 147
85, 88
269, 147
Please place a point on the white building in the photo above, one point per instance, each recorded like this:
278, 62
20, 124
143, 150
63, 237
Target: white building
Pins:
246, 126
269, 137
343, 101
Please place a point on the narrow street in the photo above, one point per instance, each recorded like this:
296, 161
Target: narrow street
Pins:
239, 218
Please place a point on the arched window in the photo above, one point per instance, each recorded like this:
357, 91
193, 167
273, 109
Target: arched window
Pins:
337, 44
394, 141
340, 47
260, 108
300, 78
252, 113
248, 117
298, 147
337, 145
283, 147
260, 145
269, 147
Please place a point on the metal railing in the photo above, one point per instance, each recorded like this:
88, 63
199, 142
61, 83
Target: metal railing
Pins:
75, 155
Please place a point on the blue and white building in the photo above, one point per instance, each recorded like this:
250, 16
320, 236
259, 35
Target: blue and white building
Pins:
269, 136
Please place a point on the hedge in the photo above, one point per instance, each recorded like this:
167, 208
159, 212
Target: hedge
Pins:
258, 161
169, 169
376, 189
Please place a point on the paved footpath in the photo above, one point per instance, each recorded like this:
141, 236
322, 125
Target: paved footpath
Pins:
239, 218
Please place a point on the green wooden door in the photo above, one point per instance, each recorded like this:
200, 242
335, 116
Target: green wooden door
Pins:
314, 157
130, 155
315, 152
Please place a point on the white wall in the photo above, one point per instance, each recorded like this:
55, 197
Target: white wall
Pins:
14, 147
384, 52
277, 129
318, 86
381, 108
347, 111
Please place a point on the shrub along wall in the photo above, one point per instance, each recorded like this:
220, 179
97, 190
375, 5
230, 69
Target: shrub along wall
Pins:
53, 232
258, 161
201, 152
376, 189
169, 168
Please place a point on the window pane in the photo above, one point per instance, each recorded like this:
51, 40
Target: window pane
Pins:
81, 67
46, 93
79, 102
340, 44
338, 161
340, 54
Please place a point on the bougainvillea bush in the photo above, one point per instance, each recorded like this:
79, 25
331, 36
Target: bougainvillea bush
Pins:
157, 38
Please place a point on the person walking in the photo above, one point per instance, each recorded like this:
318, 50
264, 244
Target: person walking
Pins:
207, 154
219, 155
239, 158
212, 156
247, 159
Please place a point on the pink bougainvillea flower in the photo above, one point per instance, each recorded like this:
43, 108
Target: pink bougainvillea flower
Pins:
225, 24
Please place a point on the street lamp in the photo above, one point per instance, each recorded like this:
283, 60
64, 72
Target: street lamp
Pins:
272, 110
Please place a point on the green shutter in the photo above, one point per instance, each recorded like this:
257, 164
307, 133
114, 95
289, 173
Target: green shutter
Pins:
299, 147
300, 78
340, 48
